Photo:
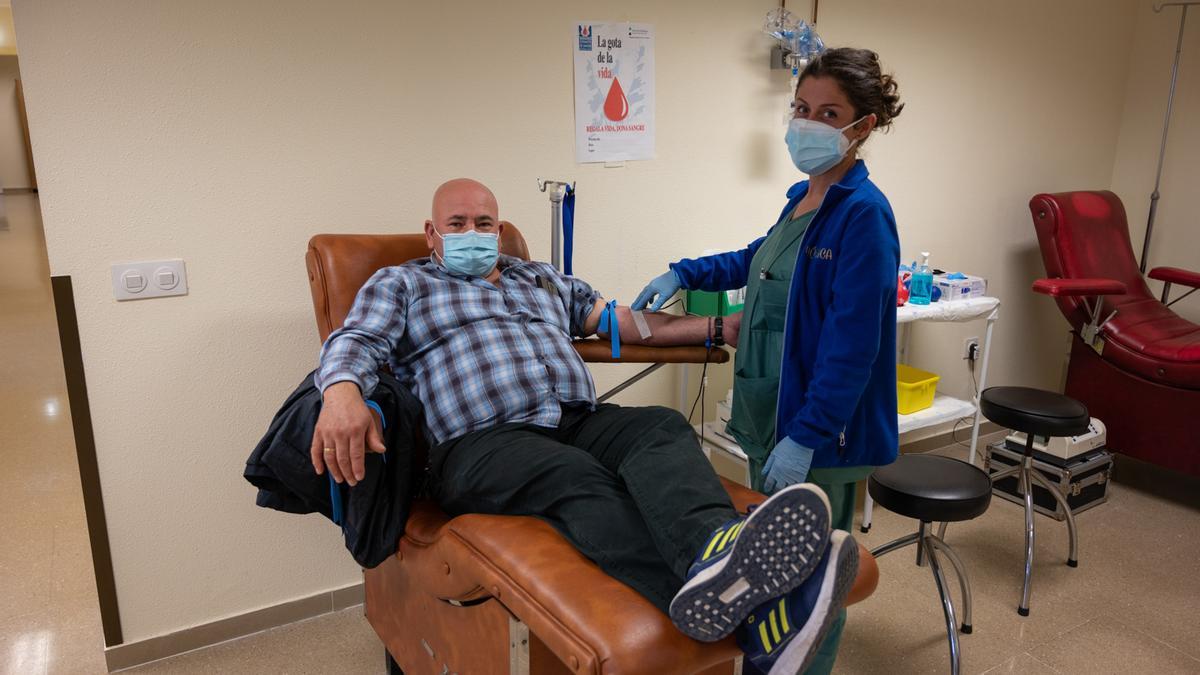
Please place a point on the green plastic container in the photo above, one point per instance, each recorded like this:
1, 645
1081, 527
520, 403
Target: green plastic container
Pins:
708, 303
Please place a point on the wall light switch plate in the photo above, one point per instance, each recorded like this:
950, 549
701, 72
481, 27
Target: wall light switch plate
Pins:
152, 279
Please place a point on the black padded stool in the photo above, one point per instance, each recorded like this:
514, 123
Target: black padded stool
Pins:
933, 489
1035, 412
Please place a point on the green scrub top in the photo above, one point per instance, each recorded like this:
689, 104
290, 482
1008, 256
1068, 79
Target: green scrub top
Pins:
760, 354
760, 343
756, 388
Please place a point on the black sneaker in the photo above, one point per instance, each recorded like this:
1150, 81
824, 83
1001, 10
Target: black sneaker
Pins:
751, 560
783, 635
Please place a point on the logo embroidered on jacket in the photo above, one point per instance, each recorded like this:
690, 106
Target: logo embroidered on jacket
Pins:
820, 253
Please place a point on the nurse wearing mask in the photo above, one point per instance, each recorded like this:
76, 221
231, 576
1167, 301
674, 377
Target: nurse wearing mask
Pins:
814, 396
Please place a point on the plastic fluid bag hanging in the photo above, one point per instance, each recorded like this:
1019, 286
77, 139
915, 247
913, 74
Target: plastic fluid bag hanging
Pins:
780, 23
805, 43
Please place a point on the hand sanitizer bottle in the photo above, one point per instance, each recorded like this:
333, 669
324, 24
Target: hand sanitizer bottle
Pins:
920, 290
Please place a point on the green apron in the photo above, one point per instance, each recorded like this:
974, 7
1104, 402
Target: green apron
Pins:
760, 343
756, 389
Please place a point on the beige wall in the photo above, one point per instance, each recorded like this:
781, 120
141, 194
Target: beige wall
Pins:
1176, 238
14, 168
1004, 100
8, 42
227, 133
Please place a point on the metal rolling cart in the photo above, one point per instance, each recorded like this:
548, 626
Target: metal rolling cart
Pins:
945, 408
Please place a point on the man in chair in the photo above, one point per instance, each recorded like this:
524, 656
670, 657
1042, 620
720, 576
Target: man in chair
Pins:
484, 341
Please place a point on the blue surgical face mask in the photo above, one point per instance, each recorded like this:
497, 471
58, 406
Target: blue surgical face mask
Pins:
816, 147
470, 253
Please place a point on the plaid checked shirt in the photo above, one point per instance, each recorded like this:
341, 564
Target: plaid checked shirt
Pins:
476, 355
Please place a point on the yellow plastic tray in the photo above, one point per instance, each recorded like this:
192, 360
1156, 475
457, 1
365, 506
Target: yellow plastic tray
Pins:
914, 388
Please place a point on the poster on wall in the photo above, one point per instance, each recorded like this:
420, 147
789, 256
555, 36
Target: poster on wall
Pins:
614, 91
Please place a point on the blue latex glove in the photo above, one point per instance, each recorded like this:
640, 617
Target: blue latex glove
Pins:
664, 286
788, 464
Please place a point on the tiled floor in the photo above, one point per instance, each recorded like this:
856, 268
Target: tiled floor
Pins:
1130, 607
49, 617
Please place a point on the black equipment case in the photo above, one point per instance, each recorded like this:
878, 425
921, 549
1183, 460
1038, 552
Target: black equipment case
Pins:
1083, 479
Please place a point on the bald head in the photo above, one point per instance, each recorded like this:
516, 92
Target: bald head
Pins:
461, 205
463, 193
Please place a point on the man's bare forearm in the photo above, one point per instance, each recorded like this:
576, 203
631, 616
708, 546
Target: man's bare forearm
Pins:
669, 330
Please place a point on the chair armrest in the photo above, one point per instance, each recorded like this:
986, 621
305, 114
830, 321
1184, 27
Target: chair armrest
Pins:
600, 351
1175, 275
1074, 287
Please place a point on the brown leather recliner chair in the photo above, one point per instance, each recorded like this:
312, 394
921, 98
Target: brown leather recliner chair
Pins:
492, 594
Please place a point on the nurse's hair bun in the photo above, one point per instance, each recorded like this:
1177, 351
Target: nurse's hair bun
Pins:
862, 79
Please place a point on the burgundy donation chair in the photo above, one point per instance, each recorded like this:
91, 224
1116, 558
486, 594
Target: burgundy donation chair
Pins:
495, 594
1135, 363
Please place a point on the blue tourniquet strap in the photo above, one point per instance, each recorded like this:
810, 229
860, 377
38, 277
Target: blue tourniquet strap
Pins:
375, 406
382, 420
608, 324
568, 226
335, 497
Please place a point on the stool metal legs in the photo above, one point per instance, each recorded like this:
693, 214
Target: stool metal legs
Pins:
929, 545
964, 582
1026, 477
948, 609
906, 540
1073, 558
1027, 489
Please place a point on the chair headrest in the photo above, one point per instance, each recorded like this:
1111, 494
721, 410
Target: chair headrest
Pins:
339, 265
1085, 234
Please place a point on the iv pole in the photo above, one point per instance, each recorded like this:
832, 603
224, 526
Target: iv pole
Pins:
558, 190
1162, 149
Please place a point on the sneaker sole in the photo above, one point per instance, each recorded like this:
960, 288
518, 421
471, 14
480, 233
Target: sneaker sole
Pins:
781, 543
799, 653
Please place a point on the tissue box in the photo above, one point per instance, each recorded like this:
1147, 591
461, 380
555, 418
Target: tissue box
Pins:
960, 289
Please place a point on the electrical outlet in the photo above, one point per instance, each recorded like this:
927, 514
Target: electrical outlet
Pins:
152, 279
970, 348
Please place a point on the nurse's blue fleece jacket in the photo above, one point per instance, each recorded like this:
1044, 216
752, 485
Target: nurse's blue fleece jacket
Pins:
837, 388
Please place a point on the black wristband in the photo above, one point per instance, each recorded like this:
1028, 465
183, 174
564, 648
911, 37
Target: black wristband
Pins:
719, 331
